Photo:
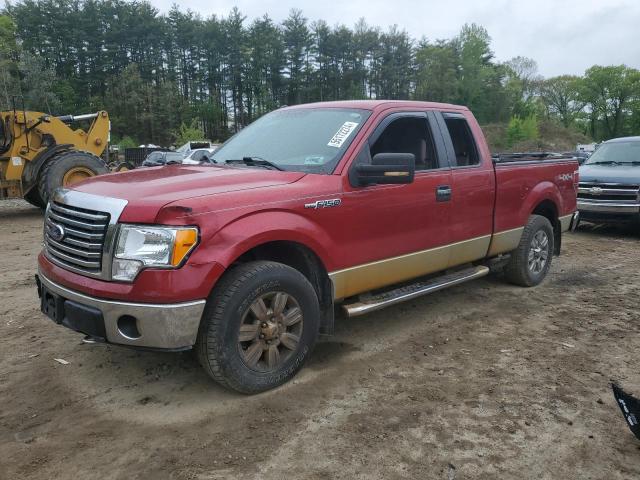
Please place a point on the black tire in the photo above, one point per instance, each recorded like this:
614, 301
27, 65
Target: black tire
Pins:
219, 347
52, 173
520, 270
124, 167
33, 197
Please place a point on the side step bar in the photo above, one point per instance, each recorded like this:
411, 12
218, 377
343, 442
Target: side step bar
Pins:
410, 292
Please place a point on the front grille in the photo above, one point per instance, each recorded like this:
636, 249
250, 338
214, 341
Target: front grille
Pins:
80, 247
608, 192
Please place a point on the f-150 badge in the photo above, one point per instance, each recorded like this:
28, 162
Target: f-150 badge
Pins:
334, 202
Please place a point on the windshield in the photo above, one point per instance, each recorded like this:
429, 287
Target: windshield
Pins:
616, 152
310, 140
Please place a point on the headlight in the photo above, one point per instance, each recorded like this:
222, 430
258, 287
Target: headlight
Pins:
140, 246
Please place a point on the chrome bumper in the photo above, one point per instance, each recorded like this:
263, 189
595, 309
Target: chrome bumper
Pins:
600, 207
163, 326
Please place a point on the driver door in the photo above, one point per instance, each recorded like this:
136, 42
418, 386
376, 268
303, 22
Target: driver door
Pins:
397, 232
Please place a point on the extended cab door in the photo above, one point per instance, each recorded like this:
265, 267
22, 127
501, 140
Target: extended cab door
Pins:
472, 187
397, 232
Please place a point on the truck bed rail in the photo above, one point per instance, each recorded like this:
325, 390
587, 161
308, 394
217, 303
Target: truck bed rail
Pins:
528, 157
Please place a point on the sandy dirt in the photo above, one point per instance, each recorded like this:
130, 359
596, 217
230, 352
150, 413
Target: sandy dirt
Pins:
485, 380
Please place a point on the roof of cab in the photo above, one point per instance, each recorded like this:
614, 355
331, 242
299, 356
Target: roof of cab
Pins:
379, 105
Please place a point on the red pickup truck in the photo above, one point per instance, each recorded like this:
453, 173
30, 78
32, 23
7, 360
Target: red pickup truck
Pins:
360, 203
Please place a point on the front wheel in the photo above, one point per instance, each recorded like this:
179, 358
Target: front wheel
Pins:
259, 327
530, 262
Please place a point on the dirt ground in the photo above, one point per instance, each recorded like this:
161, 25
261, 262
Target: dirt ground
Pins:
485, 380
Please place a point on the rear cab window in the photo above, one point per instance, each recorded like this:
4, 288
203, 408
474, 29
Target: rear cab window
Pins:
465, 150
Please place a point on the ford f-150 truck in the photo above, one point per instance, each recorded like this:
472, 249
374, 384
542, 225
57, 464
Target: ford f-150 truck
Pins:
360, 203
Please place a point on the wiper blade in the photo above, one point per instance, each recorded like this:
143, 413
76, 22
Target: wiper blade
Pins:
605, 162
256, 161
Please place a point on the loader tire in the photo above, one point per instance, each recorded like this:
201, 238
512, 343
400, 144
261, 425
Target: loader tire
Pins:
66, 169
124, 167
33, 197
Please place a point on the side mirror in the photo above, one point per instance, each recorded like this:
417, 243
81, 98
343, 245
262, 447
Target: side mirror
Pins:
387, 168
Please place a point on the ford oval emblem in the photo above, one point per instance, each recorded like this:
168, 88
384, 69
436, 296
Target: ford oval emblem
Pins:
596, 190
56, 232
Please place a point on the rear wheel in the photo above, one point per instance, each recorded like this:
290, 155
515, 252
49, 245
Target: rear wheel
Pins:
259, 327
66, 169
530, 262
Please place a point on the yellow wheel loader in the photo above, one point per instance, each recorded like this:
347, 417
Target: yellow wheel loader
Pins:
40, 152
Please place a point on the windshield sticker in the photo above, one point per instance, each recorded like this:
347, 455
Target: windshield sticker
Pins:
342, 134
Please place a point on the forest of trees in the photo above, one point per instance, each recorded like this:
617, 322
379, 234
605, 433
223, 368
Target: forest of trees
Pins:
158, 74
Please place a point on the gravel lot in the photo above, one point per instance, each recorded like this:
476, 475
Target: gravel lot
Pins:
485, 380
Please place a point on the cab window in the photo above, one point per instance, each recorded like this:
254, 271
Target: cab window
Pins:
464, 146
408, 135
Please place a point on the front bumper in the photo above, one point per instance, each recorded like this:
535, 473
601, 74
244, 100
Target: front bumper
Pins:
608, 212
159, 326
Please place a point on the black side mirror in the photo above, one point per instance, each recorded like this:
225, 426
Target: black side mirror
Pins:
387, 168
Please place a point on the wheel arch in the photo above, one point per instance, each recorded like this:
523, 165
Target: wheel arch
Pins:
547, 208
302, 258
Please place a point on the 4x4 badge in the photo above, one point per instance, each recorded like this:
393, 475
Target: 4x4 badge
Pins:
334, 202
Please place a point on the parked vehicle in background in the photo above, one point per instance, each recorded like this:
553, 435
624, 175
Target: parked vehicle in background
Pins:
587, 148
580, 155
363, 204
609, 189
189, 147
158, 158
198, 156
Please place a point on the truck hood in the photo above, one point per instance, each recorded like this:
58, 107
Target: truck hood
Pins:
157, 186
625, 174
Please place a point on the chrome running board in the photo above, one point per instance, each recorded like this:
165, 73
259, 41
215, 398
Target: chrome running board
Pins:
409, 292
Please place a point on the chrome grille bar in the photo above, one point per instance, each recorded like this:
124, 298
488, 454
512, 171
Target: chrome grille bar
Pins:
72, 260
101, 217
76, 223
609, 192
79, 233
75, 251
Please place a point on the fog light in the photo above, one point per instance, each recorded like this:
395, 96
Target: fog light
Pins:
125, 270
128, 327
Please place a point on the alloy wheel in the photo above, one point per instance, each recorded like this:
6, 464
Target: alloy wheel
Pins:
270, 331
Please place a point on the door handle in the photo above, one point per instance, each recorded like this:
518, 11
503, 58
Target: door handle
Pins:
443, 193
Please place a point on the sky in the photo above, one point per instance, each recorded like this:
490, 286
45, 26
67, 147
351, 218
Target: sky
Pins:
563, 37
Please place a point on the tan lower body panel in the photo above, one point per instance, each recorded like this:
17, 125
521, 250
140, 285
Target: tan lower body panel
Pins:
370, 276
505, 241
565, 222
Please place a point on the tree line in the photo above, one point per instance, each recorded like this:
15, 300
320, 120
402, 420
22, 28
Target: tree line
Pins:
159, 74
